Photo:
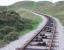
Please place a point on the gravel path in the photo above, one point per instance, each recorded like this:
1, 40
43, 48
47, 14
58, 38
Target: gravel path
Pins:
60, 34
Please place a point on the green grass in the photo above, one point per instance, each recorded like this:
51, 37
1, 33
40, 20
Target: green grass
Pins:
24, 32
34, 24
42, 6
34, 18
60, 16
46, 7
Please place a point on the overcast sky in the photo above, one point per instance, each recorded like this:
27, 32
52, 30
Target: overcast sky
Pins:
9, 2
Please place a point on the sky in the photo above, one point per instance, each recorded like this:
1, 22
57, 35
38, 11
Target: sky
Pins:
9, 2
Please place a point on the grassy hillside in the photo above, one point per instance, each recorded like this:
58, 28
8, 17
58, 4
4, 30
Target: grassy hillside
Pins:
28, 15
15, 23
24, 4
54, 9
11, 23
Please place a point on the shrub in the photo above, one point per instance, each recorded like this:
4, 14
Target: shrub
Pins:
10, 25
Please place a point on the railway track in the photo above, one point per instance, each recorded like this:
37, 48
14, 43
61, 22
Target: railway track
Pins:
45, 39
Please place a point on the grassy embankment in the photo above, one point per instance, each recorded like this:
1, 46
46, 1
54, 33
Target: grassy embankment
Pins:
34, 18
53, 9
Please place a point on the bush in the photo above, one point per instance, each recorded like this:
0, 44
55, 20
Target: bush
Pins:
11, 37
11, 24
